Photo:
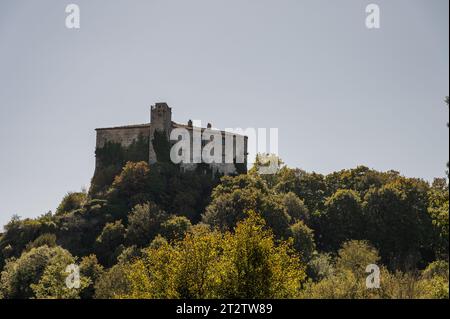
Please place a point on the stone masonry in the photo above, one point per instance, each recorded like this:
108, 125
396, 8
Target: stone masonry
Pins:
161, 121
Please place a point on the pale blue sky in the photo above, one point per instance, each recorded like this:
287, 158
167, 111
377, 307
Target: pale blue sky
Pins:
340, 94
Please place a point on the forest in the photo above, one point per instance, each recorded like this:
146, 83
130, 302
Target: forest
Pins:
150, 231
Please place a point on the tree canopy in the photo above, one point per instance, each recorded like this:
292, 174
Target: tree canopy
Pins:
154, 232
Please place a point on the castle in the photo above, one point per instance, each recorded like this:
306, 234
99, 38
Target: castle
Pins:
161, 124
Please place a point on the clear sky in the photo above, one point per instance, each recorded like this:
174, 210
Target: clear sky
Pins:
341, 95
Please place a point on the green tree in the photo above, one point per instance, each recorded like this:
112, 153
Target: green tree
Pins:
91, 270
236, 196
355, 256
132, 185
434, 281
159, 241
154, 276
110, 242
303, 240
144, 223
255, 267
198, 264
77, 231
72, 201
19, 233
52, 283
320, 266
208, 264
264, 161
341, 220
310, 187
296, 208
175, 228
113, 283
43, 240
111, 158
189, 269
20, 274
130, 253
398, 222
438, 209
348, 279
360, 179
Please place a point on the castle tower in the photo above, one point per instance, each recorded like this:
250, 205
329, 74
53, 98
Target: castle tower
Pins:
160, 121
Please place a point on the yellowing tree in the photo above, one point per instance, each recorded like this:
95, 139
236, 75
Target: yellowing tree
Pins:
208, 264
255, 267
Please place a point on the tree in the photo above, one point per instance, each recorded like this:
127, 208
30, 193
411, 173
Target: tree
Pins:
109, 243
356, 256
144, 223
154, 276
310, 187
113, 283
77, 231
91, 271
19, 233
52, 283
341, 220
341, 285
19, 275
256, 237
296, 208
267, 161
175, 228
132, 185
188, 270
112, 157
395, 214
303, 240
438, 210
43, 240
434, 280
130, 253
159, 241
72, 201
320, 266
236, 196
255, 267
348, 279
199, 264
360, 179
208, 264
198, 271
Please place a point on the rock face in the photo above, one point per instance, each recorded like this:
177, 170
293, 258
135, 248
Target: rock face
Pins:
161, 124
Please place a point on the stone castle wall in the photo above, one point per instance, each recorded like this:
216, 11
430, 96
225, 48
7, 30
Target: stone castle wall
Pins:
161, 121
124, 136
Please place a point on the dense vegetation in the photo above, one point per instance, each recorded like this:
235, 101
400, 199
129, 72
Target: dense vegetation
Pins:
154, 232
157, 233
